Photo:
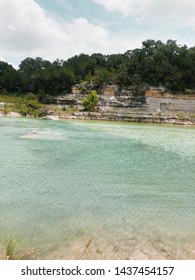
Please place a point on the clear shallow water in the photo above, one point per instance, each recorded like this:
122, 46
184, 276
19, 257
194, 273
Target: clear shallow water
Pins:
98, 190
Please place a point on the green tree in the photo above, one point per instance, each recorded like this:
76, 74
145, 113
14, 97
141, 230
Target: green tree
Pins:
136, 80
102, 76
90, 101
10, 79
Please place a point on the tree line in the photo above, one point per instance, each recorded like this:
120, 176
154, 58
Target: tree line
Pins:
156, 64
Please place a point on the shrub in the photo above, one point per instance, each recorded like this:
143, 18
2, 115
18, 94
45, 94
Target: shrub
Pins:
90, 101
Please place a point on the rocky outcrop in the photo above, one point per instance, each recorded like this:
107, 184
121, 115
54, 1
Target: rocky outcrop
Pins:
140, 98
130, 116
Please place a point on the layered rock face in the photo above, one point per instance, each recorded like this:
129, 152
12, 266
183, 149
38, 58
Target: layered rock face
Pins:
134, 98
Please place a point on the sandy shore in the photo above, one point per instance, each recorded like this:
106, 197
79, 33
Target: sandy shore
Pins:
101, 248
90, 250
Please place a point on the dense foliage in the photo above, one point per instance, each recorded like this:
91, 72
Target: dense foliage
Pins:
26, 105
155, 63
90, 101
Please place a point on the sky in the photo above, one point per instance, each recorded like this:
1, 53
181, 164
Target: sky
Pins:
60, 29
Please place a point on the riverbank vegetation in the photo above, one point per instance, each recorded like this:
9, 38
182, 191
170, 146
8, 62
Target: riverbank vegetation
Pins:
156, 63
90, 101
7, 248
27, 104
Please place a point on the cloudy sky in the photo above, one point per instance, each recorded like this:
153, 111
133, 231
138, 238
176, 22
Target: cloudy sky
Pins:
63, 28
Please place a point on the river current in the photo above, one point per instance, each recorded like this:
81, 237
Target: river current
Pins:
97, 190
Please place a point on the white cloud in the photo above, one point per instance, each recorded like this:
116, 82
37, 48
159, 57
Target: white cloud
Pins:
24, 26
26, 30
178, 11
2, 58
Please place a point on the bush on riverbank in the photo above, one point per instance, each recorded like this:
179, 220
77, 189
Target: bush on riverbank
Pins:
26, 105
90, 101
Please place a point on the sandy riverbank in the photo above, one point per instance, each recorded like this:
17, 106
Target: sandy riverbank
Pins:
89, 248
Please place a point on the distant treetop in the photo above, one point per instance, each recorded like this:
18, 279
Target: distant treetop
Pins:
156, 63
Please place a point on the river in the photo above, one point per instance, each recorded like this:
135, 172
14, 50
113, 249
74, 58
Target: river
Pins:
97, 190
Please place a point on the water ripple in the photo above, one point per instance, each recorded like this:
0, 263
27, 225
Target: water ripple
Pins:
72, 179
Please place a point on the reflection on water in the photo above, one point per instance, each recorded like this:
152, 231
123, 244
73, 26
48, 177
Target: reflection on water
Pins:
89, 190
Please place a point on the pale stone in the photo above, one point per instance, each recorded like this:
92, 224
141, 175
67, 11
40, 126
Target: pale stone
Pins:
14, 114
51, 117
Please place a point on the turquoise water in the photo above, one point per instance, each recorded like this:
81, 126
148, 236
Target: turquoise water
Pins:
98, 190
